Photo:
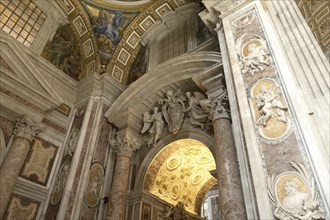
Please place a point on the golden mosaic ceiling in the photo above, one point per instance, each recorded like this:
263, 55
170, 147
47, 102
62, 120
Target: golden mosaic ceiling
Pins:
181, 172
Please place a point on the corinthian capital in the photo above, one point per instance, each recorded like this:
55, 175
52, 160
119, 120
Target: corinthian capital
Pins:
27, 128
217, 106
125, 146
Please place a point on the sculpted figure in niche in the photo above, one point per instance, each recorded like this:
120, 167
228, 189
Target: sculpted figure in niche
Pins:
173, 110
267, 100
196, 115
154, 124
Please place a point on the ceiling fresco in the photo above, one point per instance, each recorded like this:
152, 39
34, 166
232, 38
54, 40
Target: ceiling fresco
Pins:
109, 32
181, 173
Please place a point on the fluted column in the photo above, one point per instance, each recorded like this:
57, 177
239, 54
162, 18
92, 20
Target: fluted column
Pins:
25, 130
229, 181
124, 149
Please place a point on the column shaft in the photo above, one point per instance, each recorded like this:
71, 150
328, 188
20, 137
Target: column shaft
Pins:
229, 182
10, 169
118, 192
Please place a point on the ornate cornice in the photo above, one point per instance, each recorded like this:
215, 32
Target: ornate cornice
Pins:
125, 146
27, 128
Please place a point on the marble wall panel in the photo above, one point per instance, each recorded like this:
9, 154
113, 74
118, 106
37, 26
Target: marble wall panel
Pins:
21, 207
39, 161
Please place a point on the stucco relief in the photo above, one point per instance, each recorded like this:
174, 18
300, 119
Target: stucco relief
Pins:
94, 186
60, 183
270, 110
294, 196
253, 54
71, 143
172, 110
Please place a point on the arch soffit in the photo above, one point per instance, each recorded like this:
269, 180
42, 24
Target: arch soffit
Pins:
153, 83
195, 134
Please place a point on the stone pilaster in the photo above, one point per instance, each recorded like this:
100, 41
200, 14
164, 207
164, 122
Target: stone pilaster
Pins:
124, 149
25, 130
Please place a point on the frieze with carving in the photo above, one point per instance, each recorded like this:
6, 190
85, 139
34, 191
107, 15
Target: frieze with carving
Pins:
294, 195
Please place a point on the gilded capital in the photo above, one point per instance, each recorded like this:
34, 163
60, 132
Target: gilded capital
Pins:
27, 128
125, 146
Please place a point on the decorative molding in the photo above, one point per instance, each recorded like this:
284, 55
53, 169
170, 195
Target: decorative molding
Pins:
80, 25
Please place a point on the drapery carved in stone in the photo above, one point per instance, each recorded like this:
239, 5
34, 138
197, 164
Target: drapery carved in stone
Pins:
174, 108
125, 146
294, 195
27, 128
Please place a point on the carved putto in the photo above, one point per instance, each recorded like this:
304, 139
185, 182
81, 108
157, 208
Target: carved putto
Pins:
267, 101
253, 54
294, 195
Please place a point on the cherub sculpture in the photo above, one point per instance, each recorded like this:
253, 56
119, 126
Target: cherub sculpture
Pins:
267, 100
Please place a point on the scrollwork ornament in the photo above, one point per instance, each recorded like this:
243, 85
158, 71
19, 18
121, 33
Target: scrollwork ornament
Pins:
27, 128
125, 146
294, 195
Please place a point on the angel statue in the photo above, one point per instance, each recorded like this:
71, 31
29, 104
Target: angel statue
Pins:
197, 116
154, 124
267, 100
173, 110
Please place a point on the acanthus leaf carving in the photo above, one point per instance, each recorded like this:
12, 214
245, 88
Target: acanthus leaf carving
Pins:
27, 128
125, 146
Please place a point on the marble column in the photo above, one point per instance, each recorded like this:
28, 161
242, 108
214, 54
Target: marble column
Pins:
25, 130
229, 181
124, 149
